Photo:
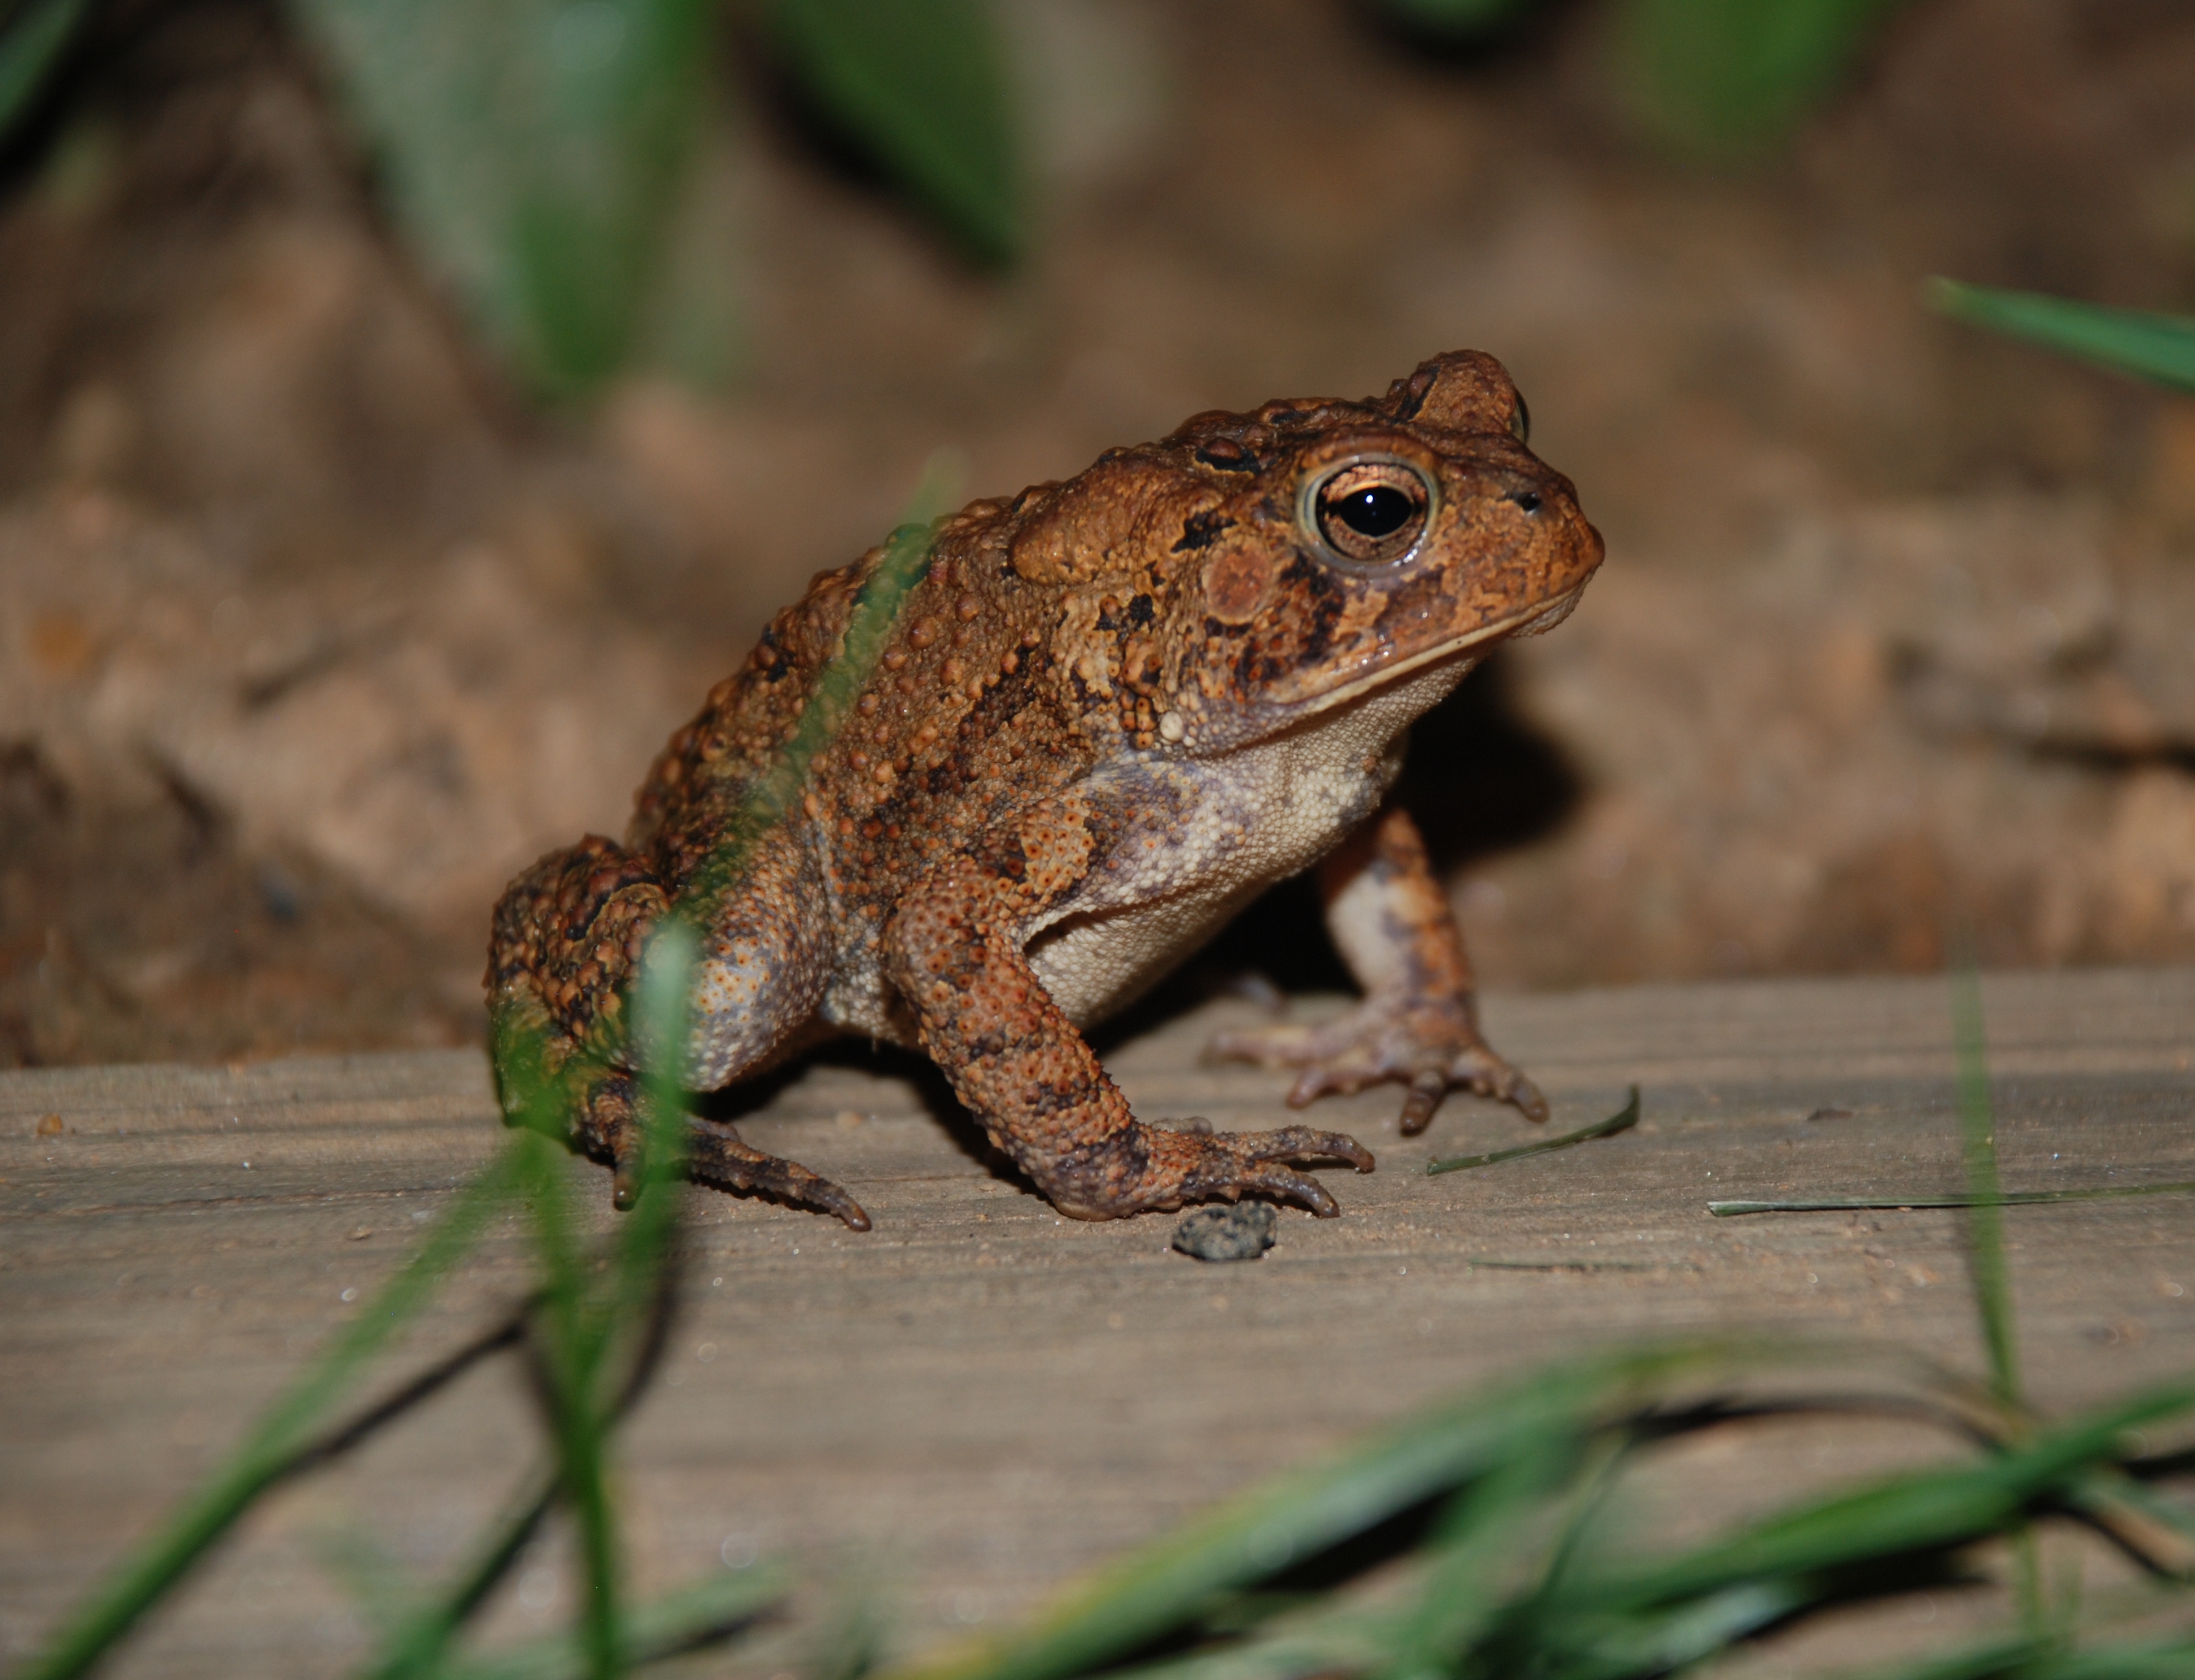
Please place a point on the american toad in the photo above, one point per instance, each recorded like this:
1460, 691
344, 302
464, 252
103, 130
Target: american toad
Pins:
1112, 712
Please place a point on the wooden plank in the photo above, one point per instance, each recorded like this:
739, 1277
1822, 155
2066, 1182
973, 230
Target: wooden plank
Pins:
979, 1398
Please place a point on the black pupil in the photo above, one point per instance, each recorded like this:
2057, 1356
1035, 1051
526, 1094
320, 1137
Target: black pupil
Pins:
1378, 510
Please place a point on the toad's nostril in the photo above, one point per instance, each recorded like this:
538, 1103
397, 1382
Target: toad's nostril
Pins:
1528, 500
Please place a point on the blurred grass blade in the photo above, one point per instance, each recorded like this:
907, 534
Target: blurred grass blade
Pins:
32, 42
414, 1650
1161, 1587
1908, 1513
941, 488
1622, 1120
265, 1454
903, 564
1734, 75
1732, 1210
1663, 1643
570, 1349
2157, 347
2041, 1660
920, 85
1328, 1638
533, 151
1498, 1526
699, 1615
1986, 1215
1997, 1659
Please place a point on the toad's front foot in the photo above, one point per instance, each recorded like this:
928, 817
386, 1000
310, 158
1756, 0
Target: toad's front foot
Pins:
1143, 1169
1431, 1047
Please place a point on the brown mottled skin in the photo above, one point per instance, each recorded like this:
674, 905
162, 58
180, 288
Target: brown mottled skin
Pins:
1113, 712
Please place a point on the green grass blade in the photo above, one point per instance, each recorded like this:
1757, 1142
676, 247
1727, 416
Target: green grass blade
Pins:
571, 1350
904, 563
2157, 347
30, 49
1168, 1585
921, 85
1623, 1120
2049, 1659
679, 1621
1585, 1647
1498, 1524
2166, 1659
1995, 1659
1984, 1213
645, 1255
1986, 1260
1333, 1639
263, 1458
1732, 1210
414, 1651
1906, 1514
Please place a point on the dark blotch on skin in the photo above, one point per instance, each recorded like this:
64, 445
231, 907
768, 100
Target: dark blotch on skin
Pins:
1198, 531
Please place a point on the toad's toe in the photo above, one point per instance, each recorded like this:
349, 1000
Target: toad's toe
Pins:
715, 1154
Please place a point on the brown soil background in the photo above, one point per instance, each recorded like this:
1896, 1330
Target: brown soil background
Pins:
311, 634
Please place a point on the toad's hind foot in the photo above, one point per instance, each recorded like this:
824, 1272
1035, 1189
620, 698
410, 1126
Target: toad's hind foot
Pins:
1149, 1168
715, 1155
609, 1129
1431, 1048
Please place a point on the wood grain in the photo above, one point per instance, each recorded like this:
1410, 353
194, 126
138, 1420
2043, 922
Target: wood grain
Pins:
978, 1398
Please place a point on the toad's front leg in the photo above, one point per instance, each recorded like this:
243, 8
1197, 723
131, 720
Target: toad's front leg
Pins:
1419, 1021
954, 952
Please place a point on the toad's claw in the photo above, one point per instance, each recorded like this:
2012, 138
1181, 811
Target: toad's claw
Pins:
715, 1153
1174, 1167
1229, 1163
1431, 1048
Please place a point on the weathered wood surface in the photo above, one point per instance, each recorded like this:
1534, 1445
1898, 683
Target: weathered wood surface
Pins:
978, 1398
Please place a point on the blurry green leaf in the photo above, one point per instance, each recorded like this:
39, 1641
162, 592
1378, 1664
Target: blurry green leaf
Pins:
1730, 75
921, 86
31, 38
2155, 347
1460, 18
533, 150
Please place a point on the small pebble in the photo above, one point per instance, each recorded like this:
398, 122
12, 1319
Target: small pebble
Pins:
1240, 1231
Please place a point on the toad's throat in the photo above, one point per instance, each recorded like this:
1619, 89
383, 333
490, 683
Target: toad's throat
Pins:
1531, 621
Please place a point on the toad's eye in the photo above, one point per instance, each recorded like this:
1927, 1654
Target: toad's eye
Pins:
1371, 511
1520, 423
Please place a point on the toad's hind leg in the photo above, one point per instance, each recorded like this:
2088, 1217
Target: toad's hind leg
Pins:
567, 940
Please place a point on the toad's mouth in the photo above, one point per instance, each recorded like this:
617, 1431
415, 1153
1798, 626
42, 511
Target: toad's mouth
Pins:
1532, 621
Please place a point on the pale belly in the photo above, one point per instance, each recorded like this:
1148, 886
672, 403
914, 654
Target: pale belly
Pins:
1232, 827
